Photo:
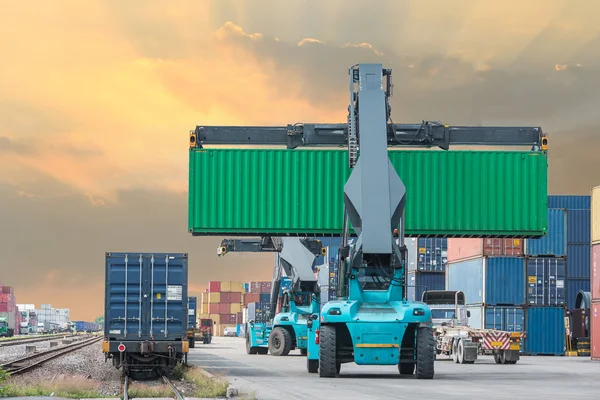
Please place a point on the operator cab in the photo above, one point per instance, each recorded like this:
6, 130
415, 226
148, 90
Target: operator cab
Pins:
447, 307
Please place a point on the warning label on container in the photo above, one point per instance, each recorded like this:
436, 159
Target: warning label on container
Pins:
560, 283
174, 292
191, 311
531, 279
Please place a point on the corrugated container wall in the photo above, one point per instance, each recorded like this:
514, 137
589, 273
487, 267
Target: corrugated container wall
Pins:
595, 330
545, 327
569, 202
164, 277
555, 242
460, 249
546, 281
572, 288
489, 280
578, 260
595, 215
511, 319
467, 193
418, 282
214, 286
595, 273
192, 313
578, 226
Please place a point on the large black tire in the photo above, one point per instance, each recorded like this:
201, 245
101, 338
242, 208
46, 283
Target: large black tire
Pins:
280, 342
425, 353
328, 352
303, 352
250, 349
406, 369
312, 366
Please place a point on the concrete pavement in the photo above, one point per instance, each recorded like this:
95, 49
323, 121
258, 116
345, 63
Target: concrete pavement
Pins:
269, 377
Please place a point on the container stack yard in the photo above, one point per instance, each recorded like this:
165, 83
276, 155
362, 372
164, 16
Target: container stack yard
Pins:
9, 314
491, 273
224, 302
594, 311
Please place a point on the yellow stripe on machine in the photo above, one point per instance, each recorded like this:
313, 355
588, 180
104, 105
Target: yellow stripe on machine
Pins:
496, 344
378, 346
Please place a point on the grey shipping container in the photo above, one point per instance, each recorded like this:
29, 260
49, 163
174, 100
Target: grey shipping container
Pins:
259, 312
146, 296
546, 281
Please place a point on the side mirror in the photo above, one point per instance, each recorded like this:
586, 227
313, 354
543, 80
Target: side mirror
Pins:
468, 314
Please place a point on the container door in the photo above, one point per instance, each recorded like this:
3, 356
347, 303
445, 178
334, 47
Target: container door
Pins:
167, 308
555, 282
125, 308
494, 318
535, 281
514, 319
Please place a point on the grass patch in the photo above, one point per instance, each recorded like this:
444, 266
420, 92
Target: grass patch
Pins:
68, 387
137, 389
206, 387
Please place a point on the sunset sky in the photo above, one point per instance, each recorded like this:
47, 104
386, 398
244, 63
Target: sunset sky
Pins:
97, 99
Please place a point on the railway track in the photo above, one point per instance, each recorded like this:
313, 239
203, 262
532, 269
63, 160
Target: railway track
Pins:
27, 363
15, 342
125, 387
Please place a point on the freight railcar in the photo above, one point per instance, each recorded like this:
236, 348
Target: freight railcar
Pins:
146, 311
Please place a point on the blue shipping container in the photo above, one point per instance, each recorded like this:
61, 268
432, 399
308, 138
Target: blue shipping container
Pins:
192, 316
573, 286
545, 327
546, 281
555, 242
264, 297
418, 282
427, 254
489, 280
578, 261
579, 226
569, 202
246, 287
510, 319
146, 296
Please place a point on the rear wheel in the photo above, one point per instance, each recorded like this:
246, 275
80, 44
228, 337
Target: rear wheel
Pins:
425, 353
328, 352
280, 342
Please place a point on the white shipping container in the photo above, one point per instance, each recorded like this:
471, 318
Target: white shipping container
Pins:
10, 317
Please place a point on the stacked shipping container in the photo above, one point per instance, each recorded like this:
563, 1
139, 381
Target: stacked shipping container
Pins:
427, 259
224, 302
595, 275
8, 311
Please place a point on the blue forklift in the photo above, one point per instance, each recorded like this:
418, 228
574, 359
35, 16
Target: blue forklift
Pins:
281, 332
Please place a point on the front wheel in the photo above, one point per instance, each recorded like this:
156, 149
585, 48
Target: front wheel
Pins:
280, 342
328, 352
425, 353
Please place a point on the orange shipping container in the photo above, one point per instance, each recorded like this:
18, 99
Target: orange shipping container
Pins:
235, 308
251, 298
214, 297
216, 318
460, 249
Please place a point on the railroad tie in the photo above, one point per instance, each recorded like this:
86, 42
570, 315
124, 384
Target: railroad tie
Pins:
29, 349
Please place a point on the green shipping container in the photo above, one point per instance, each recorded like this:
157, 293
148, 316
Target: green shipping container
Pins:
300, 192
